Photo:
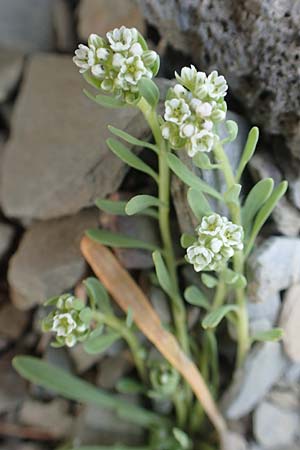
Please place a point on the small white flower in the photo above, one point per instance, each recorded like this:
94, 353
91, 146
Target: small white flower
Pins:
216, 85
136, 49
215, 245
95, 40
190, 78
98, 71
84, 57
201, 142
208, 125
102, 53
204, 109
233, 236
123, 38
63, 324
177, 111
187, 130
132, 70
180, 91
150, 57
166, 131
70, 340
211, 225
199, 256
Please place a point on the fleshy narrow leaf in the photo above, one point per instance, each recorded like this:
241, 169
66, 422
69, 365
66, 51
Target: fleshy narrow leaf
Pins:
213, 319
97, 294
101, 343
189, 178
186, 240
208, 280
104, 100
198, 203
248, 151
130, 158
129, 386
149, 91
131, 139
111, 206
234, 279
119, 240
232, 195
202, 161
258, 195
162, 273
140, 202
232, 130
265, 212
57, 380
108, 447
195, 297
275, 334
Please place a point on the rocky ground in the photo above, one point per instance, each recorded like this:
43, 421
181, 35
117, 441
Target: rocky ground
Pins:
53, 165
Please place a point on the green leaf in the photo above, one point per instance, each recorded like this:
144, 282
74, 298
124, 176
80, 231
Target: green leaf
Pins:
248, 151
109, 447
186, 240
232, 130
140, 202
208, 280
105, 100
129, 386
265, 212
195, 297
111, 206
73, 388
97, 294
130, 158
202, 161
275, 334
131, 139
234, 279
198, 203
189, 178
129, 317
92, 81
258, 195
86, 315
149, 91
162, 273
213, 319
118, 240
101, 343
232, 195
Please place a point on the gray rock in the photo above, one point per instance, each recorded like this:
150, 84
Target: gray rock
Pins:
112, 368
266, 310
227, 35
233, 441
11, 65
13, 387
12, 321
66, 164
267, 278
95, 17
64, 26
289, 321
6, 236
26, 25
264, 366
48, 260
275, 427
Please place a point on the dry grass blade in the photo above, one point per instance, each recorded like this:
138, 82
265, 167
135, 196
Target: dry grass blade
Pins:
127, 294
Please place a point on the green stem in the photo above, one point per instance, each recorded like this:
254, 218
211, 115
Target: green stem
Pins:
238, 261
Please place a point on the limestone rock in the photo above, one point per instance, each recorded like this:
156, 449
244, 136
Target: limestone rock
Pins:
289, 321
233, 441
26, 25
11, 65
253, 43
13, 387
112, 368
6, 237
64, 26
267, 278
96, 17
58, 144
48, 260
263, 367
274, 427
12, 321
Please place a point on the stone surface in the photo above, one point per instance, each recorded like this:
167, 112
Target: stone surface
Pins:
233, 441
253, 43
112, 368
12, 321
96, 17
48, 260
6, 237
11, 65
58, 144
267, 310
13, 388
267, 278
275, 427
83, 360
64, 26
263, 367
52, 417
290, 320
285, 215
26, 25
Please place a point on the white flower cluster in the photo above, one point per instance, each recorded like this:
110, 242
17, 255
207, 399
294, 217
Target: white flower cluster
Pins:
217, 241
118, 62
192, 108
65, 321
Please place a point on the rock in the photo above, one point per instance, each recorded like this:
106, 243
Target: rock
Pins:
82, 360
112, 368
96, 17
48, 260
12, 321
11, 67
289, 321
226, 35
13, 387
67, 164
53, 416
233, 441
286, 398
267, 278
285, 215
26, 26
264, 314
264, 366
6, 236
275, 427
64, 26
